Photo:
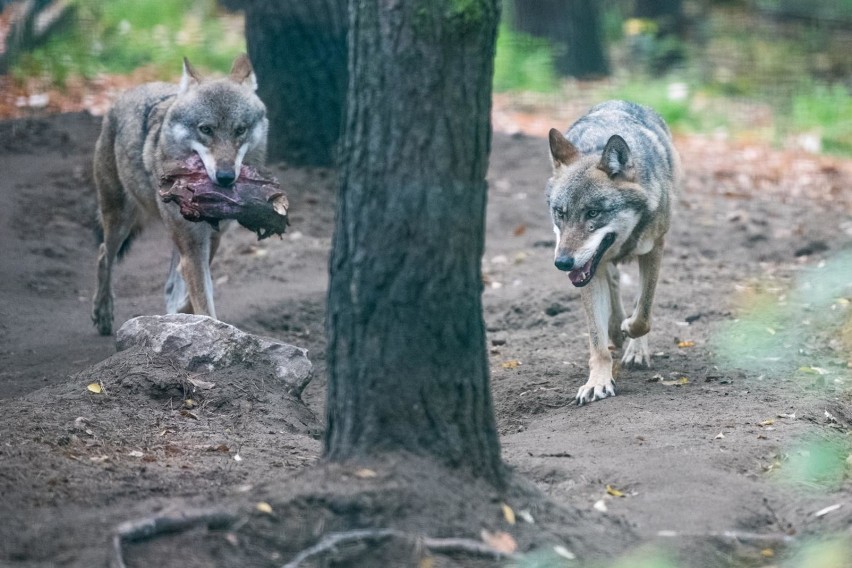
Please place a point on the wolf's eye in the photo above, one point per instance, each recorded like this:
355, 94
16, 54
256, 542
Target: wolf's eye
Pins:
592, 213
240, 130
206, 130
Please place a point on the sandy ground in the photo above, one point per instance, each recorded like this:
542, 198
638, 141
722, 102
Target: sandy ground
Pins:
695, 446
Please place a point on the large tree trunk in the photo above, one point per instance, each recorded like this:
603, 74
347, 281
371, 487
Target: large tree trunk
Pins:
408, 368
298, 50
574, 28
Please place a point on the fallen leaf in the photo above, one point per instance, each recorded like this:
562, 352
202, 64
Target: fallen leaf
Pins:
519, 230
501, 541
511, 364
768, 422
203, 385
135, 454
102, 459
188, 414
827, 510
426, 562
564, 552
683, 344
365, 473
676, 382
600, 505
813, 370
767, 553
189, 403
770, 331
613, 491
264, 507
719, 436
790, 416
508, 514
95, 388
528, 518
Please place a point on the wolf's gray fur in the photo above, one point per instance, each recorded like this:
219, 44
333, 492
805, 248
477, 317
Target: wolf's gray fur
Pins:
615, 173
149, 127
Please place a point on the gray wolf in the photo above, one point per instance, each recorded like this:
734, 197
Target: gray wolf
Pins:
615, 173
149, 127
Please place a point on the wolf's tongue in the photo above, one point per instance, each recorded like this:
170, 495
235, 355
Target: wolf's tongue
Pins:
579, 275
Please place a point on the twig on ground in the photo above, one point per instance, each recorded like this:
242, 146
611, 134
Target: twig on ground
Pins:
445, 545
150, 527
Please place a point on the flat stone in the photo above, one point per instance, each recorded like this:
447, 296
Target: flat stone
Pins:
201, 343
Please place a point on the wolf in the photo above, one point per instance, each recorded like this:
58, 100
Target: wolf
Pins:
149, 127
615, 174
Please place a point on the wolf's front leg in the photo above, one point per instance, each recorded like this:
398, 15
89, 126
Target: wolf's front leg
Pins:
639, 324
596, 301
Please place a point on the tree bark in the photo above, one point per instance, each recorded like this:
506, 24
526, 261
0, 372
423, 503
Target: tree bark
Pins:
574, 28
408, 368
298, 50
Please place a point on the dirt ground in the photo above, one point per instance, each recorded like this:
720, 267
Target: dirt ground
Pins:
692, 449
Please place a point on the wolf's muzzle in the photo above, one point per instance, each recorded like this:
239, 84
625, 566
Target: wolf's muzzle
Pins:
564, 262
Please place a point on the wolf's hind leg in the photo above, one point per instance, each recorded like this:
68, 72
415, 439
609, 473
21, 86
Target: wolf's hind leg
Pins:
637, 353
177, 296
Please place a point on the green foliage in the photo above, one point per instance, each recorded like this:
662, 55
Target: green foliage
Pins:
118, 36
827, 110
817, 463
523, 63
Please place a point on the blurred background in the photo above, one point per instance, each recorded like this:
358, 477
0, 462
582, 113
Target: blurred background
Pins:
776, 71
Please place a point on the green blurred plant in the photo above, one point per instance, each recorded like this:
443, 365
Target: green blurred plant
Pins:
118, 36
523, 63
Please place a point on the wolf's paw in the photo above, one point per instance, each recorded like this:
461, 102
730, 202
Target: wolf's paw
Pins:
635, 327
102, 317
591, 392
637, 353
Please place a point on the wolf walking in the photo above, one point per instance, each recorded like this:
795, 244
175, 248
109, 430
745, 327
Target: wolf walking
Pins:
615, 173
150, 127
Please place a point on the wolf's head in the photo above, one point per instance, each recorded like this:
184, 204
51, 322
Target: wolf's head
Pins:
222, 120
595, 204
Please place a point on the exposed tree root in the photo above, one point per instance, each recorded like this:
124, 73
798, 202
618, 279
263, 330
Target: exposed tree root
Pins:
440, 545
151, 527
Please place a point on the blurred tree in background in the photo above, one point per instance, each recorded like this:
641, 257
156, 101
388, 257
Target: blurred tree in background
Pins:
298, 50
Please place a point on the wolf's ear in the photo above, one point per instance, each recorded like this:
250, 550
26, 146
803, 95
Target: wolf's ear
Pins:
190, 77
561, 151
616, 161
242, 72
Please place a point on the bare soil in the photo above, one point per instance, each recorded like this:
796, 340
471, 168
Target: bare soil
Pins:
692, 459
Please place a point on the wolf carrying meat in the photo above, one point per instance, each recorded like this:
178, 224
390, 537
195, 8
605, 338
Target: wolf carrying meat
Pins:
147, 131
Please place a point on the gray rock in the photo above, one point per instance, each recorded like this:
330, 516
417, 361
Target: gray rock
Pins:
201, 343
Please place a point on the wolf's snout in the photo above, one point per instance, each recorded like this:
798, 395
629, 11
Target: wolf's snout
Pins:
225, 177
564, 262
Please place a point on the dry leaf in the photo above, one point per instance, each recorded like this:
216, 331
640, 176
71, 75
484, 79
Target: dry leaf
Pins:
501, 541
365, 473
426, 562
827, 510
613, 491
189, 403
767, 553
768, 422
188, 414
528, 518
95, 388
676, 382
511, 364
600, 505
519, 230
683, 344
135, 454
264, 507
564, 552
203, 385
719, 436
508, 514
